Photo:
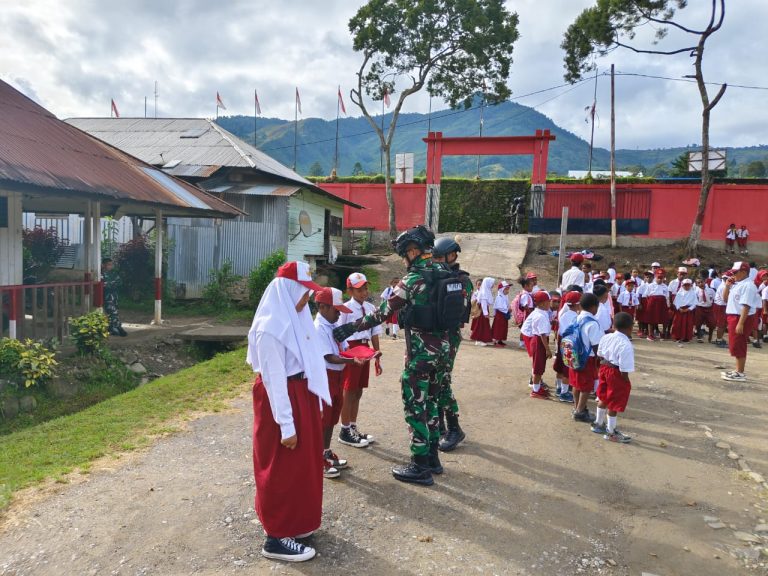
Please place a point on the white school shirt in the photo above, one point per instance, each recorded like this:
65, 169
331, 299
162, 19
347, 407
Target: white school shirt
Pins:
730, 234
501, 303
611, 274
629, 299
387, 293
685, 298
526, 300
616, 289
588, 286
752, 274
674, 287
719, 300
604, 316
537, 323
591, 333
715, 284
536, 288
742, 293
657, 290
573, 276
358, 311
742, 233
638, 281
276, 363
566, 317
617, 349
328, 343
705, 297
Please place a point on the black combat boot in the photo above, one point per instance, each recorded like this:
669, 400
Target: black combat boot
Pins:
417, 471
434, 458
454, 435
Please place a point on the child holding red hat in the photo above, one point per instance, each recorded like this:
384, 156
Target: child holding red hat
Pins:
329, 307
356, 377
535, 332
617, 360
501, 315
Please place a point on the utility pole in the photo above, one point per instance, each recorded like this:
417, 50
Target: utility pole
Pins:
592, 137
156, 98
613, 160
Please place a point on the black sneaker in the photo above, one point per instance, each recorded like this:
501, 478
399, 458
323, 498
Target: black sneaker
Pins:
583, 416
287, 550
350, 437
367, 437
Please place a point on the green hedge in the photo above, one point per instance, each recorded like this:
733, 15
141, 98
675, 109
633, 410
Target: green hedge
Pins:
479, 205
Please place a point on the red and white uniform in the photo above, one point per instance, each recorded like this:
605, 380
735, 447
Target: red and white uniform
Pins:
617, 354
584, 379
357, 377
741, 294
741, 237
536, 325
604, 315
705, 299
481, 328
500, 328
335, 372
718, 306
657, 303
629, 301
573, 276
730, 236
683, 323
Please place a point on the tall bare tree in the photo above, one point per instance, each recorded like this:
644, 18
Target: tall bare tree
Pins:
451, 47
612, 24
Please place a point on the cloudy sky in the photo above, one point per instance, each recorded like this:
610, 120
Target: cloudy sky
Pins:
73, 56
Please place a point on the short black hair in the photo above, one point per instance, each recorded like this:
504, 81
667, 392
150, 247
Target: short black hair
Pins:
574, 288
622, 321
106, 261
588, 301
599, 290
598, 282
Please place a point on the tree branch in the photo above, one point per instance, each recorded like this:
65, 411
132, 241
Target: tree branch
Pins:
717, 98
650, 18
669, 53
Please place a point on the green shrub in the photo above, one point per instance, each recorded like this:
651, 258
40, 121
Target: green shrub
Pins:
218, 292
135, 265
26, 362
262, 275
479, 205
89, 332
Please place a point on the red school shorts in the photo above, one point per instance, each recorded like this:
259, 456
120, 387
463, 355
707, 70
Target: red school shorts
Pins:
613, 390
718, 311
737, 343
584, 379
356, 377
538, 354
332, 413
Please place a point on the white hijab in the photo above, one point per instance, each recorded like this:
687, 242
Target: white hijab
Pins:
486, 290
277, 316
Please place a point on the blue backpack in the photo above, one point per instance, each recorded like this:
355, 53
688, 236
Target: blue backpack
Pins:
573, 350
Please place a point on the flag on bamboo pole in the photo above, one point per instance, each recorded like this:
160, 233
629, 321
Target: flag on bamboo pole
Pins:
256, 101
386, 96
220, 102
114, 110
341, 102
298, 101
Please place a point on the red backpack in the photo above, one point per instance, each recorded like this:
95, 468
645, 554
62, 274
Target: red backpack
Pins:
518, 314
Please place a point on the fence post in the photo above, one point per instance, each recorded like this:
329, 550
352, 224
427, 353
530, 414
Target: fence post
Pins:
563, 235
12, 314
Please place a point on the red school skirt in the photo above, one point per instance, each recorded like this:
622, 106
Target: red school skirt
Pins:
641, 310
481, 331
656, 310
613, 390
631, 310
683, 325
500, 328
289, 483
332, 413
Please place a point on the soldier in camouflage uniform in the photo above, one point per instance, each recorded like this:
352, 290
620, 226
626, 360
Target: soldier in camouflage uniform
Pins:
445, 252
427, 353
111, 282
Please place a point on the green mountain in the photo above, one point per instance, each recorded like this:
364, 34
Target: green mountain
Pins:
358, 143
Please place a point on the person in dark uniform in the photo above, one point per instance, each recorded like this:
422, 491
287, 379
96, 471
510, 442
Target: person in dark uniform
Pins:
111, 280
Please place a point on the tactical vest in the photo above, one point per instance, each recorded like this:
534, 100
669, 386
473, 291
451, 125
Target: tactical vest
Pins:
446, 308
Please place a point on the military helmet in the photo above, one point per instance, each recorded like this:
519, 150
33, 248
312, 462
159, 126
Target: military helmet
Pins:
444, 246
419, 235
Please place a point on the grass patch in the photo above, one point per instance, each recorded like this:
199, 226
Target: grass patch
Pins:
182, 308
374, 283
123, 422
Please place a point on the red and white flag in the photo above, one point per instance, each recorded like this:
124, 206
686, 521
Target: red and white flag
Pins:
590, 110
256, 102
341, 102
220, 102
115, 113
298, 101
386, 97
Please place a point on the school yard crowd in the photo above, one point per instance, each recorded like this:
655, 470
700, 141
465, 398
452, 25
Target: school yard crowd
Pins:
311, 374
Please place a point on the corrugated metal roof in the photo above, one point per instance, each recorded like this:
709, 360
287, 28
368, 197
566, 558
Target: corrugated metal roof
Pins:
256, 190
42, 154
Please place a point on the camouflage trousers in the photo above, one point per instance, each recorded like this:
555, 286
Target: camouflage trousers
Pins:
426, 359
110, 309
446, 401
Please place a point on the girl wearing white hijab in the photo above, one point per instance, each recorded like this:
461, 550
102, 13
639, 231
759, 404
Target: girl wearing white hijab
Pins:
481, 333
501, 315
284, 350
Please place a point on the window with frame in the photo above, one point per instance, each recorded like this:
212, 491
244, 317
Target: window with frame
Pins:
334, 226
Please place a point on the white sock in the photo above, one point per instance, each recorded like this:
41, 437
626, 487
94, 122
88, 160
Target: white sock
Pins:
558, 385
536, 387
345, 426
564, 388
353, 424
611, 424
600, 416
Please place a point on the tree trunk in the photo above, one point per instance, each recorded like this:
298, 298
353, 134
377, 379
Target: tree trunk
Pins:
390, 198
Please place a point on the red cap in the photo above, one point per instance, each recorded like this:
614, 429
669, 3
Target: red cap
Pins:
629, 281
577, 258
298, 272
332, 297
728, 273
740, 266
531, 276
572, 297
541, 296
356, 280
661, 272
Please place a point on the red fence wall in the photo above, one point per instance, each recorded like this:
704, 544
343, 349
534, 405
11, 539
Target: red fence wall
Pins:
410, 203
672, 206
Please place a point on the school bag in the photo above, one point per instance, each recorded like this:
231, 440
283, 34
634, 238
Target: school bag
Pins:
573, 350
517, 311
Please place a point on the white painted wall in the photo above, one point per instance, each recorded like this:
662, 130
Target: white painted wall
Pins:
306, 247
11, 269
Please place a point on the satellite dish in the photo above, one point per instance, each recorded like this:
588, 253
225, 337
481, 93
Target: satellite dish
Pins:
305, 223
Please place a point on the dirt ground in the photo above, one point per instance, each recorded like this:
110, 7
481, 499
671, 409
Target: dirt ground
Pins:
530, 492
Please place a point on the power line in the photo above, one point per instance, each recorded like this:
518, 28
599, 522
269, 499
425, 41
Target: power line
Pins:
689, 80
